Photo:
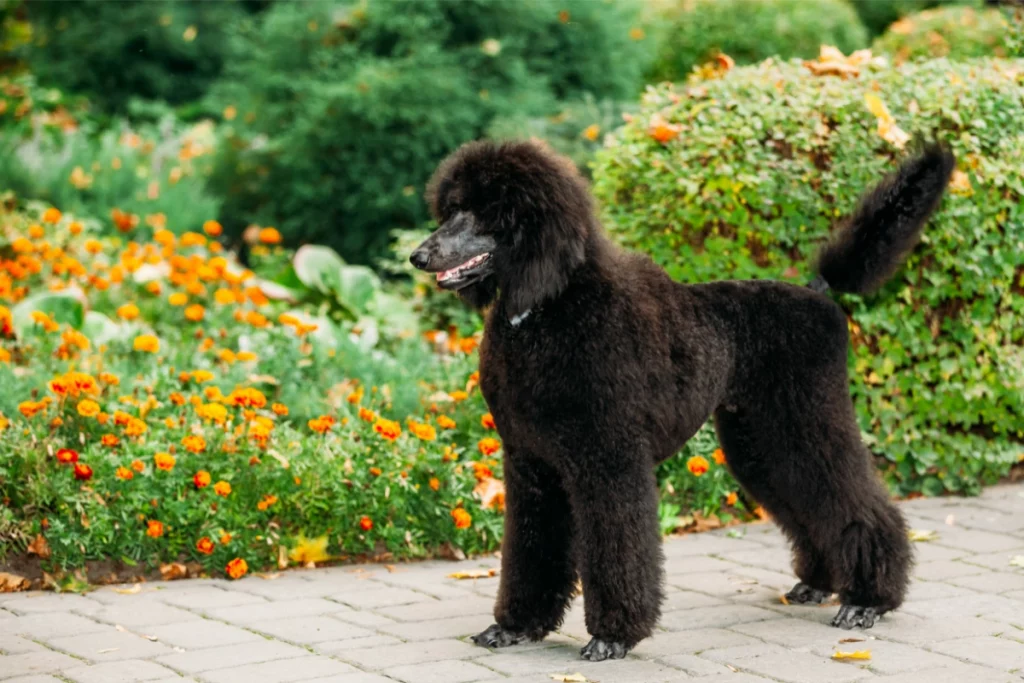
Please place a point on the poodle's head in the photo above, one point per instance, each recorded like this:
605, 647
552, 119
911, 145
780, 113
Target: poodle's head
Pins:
513, 216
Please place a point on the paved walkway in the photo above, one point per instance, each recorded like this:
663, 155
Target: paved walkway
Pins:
723, 622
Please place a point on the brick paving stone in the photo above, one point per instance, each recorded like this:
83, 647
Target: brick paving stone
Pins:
680, 599
334, 648
929, 552
34, 603
378, 596
16, 645
195, 635
33, 679
696, 564
696, 545
992, 582
693, 665
208, 597
231, 656
957, 673
281, 671
933, 590
141, 616
944, 570
368, 619
890, 658
50, 625
411, 653
126, 671
794, 633
998, 561
994, 652
309, 630
907, 628
692, 642
714, 617
976, 541
993, 607
774, 559
42, 662
439, 609
780, 663
455, 627
268, 611
449, 671
109, 645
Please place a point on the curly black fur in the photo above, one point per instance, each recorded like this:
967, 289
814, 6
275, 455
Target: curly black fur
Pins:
616, 366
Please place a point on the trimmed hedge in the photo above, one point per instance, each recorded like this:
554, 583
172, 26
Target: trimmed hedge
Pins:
954, 32
766, 159
343, 113
694, 31
877, 15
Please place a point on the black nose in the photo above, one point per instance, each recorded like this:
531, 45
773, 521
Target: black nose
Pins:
419, 258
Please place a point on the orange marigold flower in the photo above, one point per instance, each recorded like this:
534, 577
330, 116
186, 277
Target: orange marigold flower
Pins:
375, 471
256, 319
75, 228
719, 456
192, 239
468, 344
110, 440
138, 465
204, 545
212, 228
423, 431
435, 483
237, 568
731, 498
178, 299
154, 528
195, 313
387, 428
267, 501
147, 343
212, 411
201, 479
226, 356
52, 215
322, 424
200, 376
36, 232
487, 420
164, 461
82, 471
279, 409
224, 297
367, 415
128, 312
194, 443
30, 408
462, 519
458, 395
222, 488
135, 427
88, 408
122, 418
488, 446
177, 399
124, 473
270, 236
246, 356
109, 379
67, 455
355, 396
698, 465
248, 398
365, 523
225, 538
481, 471
445, 422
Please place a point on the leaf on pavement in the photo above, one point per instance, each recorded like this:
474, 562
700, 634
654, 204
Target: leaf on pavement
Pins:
474, 574
569, 678
857, 654
922, 535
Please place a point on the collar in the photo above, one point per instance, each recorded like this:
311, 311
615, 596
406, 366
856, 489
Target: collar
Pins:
517, 320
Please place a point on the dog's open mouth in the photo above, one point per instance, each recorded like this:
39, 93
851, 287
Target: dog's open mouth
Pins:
464, 274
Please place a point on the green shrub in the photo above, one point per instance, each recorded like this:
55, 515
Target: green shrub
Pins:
117, 51
695, 30
877, 15
342, 114
764, 162
954, 32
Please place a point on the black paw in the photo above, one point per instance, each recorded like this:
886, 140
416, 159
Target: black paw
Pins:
852, 616
802, 594
496, 636
598, 650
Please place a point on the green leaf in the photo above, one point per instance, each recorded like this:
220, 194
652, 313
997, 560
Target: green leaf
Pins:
64, 307
101, 330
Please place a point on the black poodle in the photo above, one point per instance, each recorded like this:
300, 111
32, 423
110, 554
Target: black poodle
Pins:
597, 366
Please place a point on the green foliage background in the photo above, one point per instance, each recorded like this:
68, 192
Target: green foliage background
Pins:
768, 158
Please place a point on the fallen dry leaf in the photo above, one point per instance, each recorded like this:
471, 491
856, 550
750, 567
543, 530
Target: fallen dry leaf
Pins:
783, 599
491, 493
268, 577
922, 535
309, 550
11, 583
858, 654
569, 678
851, 640
474, 574
39, 547
129, 591
172, 571
960, 184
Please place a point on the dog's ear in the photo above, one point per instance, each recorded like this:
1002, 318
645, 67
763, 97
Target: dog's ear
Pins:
541, 264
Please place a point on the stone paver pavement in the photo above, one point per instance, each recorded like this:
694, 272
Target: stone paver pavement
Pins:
723, 621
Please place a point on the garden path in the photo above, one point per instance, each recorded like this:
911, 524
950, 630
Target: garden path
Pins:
723, 621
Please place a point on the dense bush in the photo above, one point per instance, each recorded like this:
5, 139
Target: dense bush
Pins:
338, 116
693, 31
754, 169
877, 15
117, 51
954, 32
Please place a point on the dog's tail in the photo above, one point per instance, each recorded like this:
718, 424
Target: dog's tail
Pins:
869, 246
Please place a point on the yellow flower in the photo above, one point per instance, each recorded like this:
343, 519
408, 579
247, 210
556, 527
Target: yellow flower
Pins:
147, 343
135, 427
387, 429
213, 411
222, 489
178, 299
128, 312
200, 376
270, 236
279, 409
445, 422
224, 297
88, 408
51, 215
193, 443
423, 431
698, 465
195, 313
458, 396
212, 228
488, 446
309, 550
246, 356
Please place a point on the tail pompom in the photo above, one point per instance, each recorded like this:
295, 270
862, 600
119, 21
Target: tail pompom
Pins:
868, 247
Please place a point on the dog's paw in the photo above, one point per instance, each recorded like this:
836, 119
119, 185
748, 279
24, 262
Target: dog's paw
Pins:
598, 650
802, 594
496, 636
853, 616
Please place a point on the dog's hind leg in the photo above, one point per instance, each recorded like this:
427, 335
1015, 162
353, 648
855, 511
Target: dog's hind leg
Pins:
537, 572
615, 506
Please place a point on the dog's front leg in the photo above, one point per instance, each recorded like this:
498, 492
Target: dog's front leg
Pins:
537, 573
615, 505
